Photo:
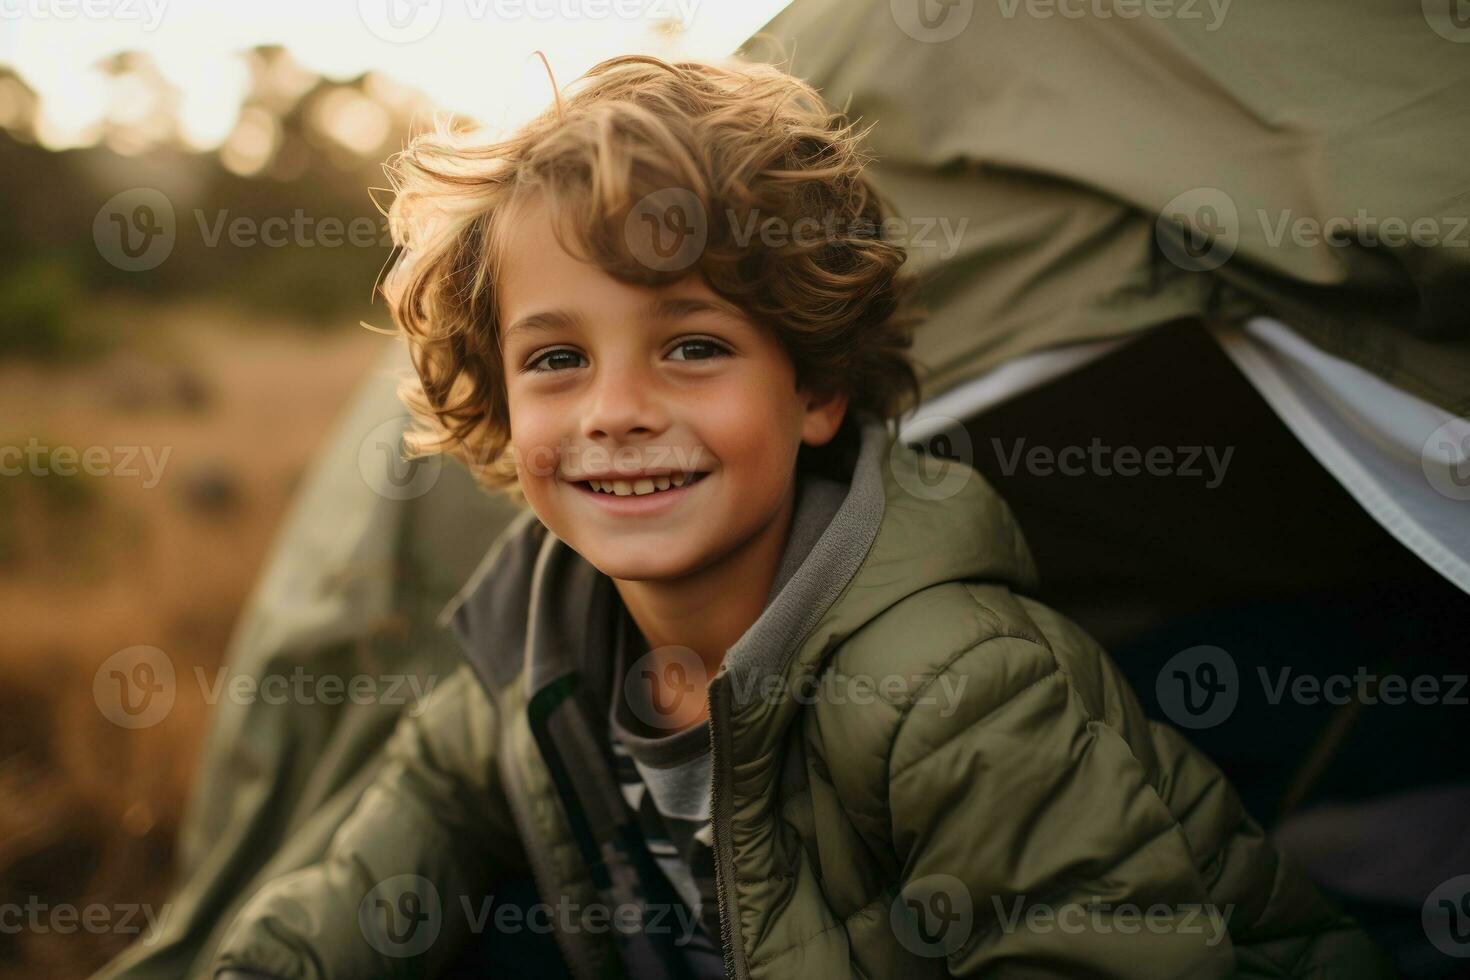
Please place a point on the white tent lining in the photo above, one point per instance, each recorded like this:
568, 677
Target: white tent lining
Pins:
1370, 436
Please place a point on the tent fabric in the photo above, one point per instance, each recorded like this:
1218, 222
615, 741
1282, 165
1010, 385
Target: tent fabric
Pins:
1001, 383
1407, 462
1045, 152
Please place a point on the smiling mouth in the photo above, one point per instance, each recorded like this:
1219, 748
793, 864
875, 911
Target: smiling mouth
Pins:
642, 487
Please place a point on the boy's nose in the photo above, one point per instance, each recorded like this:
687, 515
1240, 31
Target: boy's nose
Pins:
624, 401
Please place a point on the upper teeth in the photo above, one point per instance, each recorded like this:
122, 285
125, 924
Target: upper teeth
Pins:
647, 484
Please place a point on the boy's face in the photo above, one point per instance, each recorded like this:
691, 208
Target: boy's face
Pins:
627, 380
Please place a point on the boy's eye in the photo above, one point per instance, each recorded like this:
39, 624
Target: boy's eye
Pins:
704, 350
551, 355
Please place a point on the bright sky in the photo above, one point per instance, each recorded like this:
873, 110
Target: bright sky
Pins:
469, 56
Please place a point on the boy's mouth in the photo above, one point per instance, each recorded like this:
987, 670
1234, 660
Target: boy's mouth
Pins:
645, 495
642, 486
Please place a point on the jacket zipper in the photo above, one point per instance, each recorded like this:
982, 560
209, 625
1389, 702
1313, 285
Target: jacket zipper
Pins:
546, 882
719, 718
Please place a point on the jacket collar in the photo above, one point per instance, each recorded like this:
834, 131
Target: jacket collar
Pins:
809, 589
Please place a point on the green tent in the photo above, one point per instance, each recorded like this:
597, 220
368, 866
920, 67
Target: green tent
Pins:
370, 553
1110, 202
1112, 173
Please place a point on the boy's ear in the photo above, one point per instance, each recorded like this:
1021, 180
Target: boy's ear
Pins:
823, 418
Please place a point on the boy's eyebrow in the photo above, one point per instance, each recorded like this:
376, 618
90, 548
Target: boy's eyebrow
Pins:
543, 320
659, 308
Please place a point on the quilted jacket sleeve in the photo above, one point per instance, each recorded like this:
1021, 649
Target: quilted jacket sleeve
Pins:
388, 898
1047, 827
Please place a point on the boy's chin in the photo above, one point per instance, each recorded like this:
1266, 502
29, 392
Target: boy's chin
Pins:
663, 564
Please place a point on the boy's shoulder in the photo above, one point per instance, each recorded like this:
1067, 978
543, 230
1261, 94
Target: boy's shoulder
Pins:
983, 632
948, 660
941, 628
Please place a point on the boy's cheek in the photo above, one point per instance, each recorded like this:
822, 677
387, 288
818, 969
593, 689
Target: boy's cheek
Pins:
534, 462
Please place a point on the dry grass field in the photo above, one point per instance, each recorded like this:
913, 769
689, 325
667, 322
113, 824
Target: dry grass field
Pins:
200, 424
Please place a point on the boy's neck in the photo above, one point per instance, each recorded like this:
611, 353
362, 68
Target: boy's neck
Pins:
709, 610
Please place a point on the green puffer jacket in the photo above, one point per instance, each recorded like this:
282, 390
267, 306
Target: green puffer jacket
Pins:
917, 771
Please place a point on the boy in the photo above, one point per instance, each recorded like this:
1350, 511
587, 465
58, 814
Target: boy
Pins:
752, 689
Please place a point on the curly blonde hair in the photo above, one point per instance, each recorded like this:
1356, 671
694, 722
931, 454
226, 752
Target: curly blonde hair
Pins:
739, 144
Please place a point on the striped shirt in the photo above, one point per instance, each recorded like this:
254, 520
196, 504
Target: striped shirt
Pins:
665, 778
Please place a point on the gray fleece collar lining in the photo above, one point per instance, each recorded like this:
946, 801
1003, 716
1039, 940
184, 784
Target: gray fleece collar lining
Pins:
812, 588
